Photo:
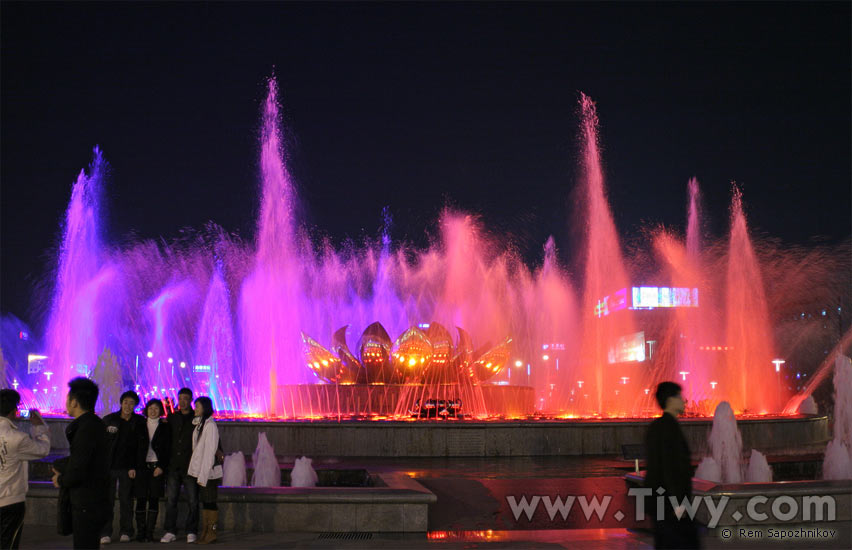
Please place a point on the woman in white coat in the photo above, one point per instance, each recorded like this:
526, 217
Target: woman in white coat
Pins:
203, 466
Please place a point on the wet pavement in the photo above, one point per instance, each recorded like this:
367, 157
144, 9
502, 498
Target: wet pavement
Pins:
591, 539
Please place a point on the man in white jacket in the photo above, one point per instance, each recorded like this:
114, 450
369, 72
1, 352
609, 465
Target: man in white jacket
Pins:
16, 448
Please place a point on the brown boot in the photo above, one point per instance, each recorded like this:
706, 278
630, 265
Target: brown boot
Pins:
210, 519
203, 524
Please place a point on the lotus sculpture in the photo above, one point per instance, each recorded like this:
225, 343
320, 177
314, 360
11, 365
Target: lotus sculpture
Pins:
417, 355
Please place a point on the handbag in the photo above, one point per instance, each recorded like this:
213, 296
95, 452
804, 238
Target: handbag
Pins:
219, 459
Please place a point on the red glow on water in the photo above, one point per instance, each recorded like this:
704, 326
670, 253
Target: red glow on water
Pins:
604, 274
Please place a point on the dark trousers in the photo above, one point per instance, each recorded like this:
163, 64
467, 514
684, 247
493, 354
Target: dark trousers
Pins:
173, 482
87, 521
146, 486
11, 525
674, 533
125, 503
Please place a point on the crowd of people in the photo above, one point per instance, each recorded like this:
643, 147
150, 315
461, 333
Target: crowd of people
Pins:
138, 457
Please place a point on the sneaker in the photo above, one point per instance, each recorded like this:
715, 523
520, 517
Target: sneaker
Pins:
190, 538
106, 540
124, 538
168, 537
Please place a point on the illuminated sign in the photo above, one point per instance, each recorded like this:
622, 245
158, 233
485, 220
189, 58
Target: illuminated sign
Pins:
611, 304
664, 296
627, 349
647, 297
202, 368
35, 363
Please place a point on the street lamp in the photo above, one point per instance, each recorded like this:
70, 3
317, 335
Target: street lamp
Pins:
778, 363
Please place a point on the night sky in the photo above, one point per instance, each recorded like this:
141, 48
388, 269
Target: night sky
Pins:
418, 106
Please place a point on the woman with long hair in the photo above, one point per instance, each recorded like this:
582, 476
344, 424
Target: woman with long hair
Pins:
204, 468
152, 461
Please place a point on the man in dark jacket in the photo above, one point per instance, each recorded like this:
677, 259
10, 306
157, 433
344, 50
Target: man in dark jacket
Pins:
86, 474
125, 437
669, 466
181, 425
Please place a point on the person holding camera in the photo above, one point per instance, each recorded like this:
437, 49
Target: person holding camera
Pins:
16, 449
152, 463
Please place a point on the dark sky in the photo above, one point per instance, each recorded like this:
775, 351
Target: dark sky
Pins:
416, 106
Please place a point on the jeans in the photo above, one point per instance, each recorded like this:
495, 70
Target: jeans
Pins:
11, 525
125, 503
173, 483
87, 521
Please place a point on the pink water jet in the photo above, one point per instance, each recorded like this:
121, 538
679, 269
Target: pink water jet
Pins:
751, 385
605, 274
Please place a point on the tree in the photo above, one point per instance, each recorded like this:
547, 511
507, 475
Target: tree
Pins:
107, 375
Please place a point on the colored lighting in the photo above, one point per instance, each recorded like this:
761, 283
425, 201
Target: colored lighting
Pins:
246, 322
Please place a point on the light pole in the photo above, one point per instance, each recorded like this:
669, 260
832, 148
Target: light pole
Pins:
778, 363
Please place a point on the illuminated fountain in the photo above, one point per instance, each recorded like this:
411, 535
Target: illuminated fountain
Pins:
257, 324
421, 375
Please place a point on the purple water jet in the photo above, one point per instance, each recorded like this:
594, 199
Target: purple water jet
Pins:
74, 333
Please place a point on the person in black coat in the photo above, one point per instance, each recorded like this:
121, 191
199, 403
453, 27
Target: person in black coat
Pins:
669, 466
125, 430
86, 473
152, 463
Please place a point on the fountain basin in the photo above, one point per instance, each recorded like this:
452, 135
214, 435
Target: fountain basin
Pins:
474, 438
399, 399
394, 504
